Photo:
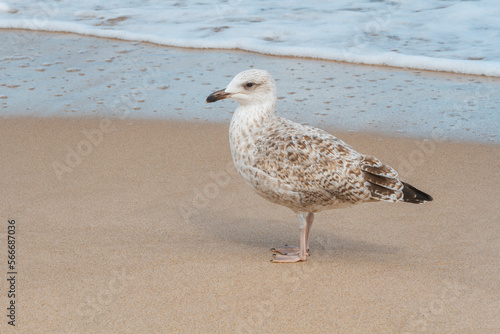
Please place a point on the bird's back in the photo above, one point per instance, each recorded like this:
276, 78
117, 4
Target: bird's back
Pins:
310, 170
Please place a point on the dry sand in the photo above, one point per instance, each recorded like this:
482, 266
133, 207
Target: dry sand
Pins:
149, 230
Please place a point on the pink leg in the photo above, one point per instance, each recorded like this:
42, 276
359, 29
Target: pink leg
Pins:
294, 250
309, 222
301, 255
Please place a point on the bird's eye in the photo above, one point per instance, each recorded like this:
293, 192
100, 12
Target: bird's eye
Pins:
249, 84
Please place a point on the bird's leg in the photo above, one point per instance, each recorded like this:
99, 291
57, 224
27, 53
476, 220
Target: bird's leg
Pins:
303, 232
286, 250
301, 254
309, 222
294, 250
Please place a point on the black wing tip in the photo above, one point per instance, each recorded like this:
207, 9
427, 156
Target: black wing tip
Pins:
413, 195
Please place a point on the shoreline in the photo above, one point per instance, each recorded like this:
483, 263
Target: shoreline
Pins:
306, 58
105, 77
363, 60
151, 229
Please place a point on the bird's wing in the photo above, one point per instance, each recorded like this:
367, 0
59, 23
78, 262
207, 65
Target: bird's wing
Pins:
311, 160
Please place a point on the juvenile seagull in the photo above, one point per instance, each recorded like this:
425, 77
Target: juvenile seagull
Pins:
301, 167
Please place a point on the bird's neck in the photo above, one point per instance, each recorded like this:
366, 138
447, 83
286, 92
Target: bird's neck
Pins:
253, 116
246, 125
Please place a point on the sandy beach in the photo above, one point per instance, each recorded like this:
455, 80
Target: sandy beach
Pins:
130, 225
148, 229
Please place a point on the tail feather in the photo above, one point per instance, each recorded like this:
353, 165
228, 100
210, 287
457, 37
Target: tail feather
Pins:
413, 195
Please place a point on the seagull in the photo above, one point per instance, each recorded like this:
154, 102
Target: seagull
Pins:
298, 166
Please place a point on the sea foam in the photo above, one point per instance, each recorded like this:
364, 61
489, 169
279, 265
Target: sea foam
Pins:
451, 36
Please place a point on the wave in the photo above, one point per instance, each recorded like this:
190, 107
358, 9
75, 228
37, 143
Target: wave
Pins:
456, 37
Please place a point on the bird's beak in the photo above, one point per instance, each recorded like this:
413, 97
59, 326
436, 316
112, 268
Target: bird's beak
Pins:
218, 95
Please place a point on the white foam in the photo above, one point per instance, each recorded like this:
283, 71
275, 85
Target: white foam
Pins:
6, 8
451, 36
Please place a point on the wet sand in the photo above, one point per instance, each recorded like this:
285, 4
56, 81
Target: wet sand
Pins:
67, 75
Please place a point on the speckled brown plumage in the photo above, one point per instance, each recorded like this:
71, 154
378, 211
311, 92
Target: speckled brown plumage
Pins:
298, 166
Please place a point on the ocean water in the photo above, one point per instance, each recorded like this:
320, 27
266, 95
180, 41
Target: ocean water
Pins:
443, 35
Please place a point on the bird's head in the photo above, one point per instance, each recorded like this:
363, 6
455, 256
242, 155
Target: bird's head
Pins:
251, 87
